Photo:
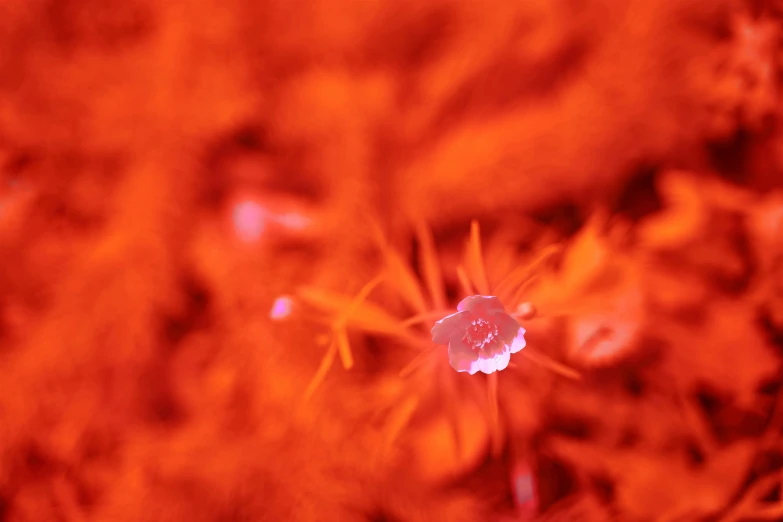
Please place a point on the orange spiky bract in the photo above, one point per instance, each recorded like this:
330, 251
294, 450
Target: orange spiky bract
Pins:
427, 300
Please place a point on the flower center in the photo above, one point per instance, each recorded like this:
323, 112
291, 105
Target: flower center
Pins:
481, 333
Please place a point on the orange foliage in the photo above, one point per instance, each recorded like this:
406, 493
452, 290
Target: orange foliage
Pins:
228, 227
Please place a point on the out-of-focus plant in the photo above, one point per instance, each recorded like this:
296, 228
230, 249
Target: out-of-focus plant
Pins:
428, 375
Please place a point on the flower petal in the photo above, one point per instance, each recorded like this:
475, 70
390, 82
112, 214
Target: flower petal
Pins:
492, 364
519, 341
507, 327
494, 349
445, 329
481, 304
463, 359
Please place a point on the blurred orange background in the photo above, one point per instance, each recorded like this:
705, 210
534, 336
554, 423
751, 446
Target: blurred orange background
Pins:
227, 228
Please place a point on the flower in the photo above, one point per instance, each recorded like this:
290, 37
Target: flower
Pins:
481, 336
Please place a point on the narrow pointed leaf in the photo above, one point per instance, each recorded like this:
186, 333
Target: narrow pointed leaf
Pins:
416, 363
362, 296
430, 266
405, 282
551, 364
365, 316
475, 260
400, 274
523, 273
398, 420
520, 293
344, 348
320, 374
464, 281
426, 317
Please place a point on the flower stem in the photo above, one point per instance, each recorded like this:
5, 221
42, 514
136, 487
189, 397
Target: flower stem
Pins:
494, 413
